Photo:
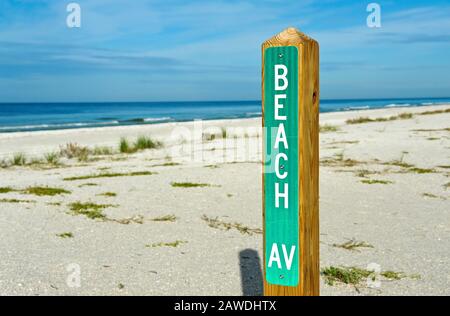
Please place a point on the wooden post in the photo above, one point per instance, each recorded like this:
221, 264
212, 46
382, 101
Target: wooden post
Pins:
290, 107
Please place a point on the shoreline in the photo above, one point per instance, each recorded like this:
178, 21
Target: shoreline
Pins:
47, 127
41, 142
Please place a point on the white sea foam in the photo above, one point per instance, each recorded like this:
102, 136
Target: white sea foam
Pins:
157, 119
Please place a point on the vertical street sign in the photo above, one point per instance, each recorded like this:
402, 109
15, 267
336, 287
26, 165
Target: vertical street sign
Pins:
291, 164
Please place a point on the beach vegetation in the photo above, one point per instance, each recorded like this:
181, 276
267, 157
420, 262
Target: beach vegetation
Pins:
65, 235
54, 204
45, 191
138, 219
108, 194
73, 150
224, 132
346, 275
328, 128
19, 159
6, 190
102, 151
365, 119
189, 185
167, 164
89, 209
144, 142
421, 170
16, 201
393, 275
353, 245
110, 175
370, 181
165, 218
435, 112
89, 184
52, 158
338, 160
222, 225
174, 244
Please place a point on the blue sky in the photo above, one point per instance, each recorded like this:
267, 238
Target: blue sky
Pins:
156, 50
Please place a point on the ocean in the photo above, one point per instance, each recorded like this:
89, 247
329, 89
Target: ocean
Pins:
16, 117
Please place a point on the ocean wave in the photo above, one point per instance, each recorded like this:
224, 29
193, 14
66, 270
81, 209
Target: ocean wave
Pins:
157, 119
253, 114
395, 105
363, 107
50, 126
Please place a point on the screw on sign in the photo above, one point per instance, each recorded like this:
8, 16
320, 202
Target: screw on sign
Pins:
291, 164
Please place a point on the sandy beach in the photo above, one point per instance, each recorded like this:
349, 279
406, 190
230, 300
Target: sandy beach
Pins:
185, 217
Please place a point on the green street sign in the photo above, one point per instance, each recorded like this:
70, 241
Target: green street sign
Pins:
281, 173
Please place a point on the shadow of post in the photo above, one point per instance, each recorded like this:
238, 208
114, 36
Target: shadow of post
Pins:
251, 273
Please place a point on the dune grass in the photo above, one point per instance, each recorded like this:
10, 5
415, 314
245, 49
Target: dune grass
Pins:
189, 185
371, 181
353, 245
174, 244
89, 209
347, 275
401, 116
108, 194
364, 119
165, 218
222, 225
328, 128
19, 159
141, 143
110, 175
65, 235
6, 190
45, 191
52, 158
37, 190
16, 201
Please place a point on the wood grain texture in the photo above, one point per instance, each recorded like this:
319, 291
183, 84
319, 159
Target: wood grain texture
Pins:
308, 162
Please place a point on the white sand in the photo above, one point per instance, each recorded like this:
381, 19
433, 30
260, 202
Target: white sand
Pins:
409, 232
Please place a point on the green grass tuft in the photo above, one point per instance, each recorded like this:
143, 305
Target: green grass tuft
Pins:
167, 244
328, 128
165, 218
368, 181
353, 245
110, 175
422, 170
65, 235
189, 185
144, 142
108, 194
16, 201
45, 191
6, 190
52, 158
19, 159
347, 275
392, 275
89, 209
219, 224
